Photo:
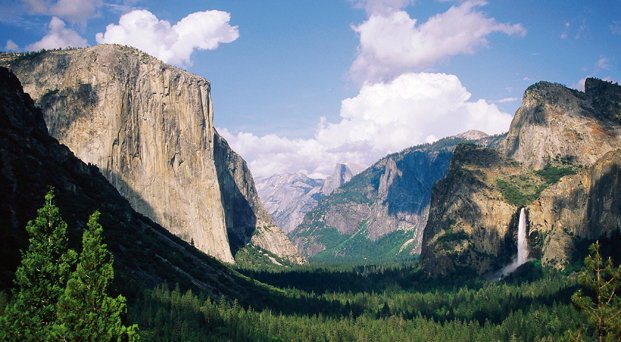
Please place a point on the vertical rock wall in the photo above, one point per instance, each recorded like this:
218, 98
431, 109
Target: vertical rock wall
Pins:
149, 127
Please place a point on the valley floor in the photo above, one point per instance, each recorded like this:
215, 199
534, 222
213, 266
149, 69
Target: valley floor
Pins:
368, 303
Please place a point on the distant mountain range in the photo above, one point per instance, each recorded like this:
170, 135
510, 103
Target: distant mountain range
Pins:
288, 197
381, 212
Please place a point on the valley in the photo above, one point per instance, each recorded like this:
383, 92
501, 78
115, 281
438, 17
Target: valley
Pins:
403, 250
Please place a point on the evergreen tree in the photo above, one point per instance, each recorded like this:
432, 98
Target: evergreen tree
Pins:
40, 279
603, 307
87, 311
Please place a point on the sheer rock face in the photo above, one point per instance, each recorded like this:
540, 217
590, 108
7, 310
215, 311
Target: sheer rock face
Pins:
342, 174
470, 227
381, 212
247, 221
582, 206
149, 127
558, 122
145, 254
390, 196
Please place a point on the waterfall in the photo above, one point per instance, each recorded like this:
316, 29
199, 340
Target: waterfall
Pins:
522, 255
522, 243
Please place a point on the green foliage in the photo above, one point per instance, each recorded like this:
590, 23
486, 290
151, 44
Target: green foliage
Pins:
255, 257
40, 279
601, 304
448, 237
53, 303
515, 194
552, 174
359, 248
418, 310
87, 311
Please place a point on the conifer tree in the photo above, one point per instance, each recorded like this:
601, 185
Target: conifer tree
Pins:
603, 307
40, 279
87, 311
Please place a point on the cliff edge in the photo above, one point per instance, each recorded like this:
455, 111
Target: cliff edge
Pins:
149, 127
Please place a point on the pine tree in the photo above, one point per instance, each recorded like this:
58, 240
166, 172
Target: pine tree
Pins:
603, 310
40, 279
87, 311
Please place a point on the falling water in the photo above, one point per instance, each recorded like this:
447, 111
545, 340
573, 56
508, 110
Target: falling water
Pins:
522, 243
522, 255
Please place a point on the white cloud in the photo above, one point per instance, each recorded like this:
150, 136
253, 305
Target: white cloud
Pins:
383, 118
579, 85
508, 99
172, 44
602, 63
392, 44
11, 46
58, 37
73, 10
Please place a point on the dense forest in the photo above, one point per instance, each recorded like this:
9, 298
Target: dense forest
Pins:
388, 302
373, 303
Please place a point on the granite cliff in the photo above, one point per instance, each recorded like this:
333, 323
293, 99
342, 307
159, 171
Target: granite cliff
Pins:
149, 128
581, 207
288, 197
560, 161
145, 254
556, 122
472, 225
381, 212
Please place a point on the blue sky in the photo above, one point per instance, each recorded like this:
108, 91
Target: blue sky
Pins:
300, 85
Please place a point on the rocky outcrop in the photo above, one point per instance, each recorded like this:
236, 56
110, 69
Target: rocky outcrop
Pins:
585, 206
145, 254
149, 127
471, 227
381, 212
288, 197
557, 132
247, 221
556, 122
342, 174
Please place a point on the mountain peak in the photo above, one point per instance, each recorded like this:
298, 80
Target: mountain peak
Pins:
556, 122
341, 175
472, 134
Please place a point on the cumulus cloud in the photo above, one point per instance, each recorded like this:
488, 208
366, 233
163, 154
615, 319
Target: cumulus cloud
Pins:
383, 118
172, 44
58, 37
72, 10
11, 46
391, 43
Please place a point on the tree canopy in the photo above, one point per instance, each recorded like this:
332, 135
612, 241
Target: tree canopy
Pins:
56, 299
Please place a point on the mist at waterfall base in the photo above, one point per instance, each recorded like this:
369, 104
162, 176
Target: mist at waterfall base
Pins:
522, 254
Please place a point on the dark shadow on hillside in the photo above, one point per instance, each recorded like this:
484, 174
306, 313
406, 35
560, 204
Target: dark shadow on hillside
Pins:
602, 212
239, 214
410, 193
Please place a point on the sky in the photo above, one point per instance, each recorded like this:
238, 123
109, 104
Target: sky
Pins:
298, 86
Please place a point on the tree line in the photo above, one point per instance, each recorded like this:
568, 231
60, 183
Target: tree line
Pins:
61, 295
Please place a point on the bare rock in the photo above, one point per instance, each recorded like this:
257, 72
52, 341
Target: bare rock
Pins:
149, 127
556, 122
